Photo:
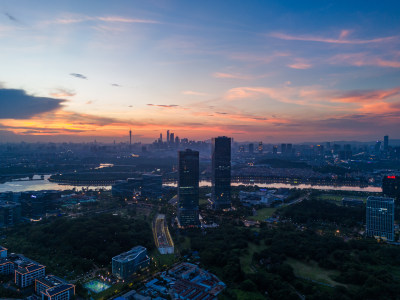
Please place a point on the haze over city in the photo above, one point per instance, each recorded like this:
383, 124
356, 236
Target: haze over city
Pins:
260, 70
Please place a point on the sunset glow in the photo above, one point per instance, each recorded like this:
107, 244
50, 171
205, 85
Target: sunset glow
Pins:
80, 71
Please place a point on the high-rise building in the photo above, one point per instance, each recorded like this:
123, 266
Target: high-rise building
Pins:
167, 136
391, 186
380, 218
260, 147
171, 138
283, 149
378, 146
275, 150
188, 188
221, 173
130, 137
251, 148
386, 143
289, 149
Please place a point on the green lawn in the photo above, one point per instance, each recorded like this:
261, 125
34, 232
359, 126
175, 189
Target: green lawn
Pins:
263, 214
338, 198
312, 271
162, 259
246, 259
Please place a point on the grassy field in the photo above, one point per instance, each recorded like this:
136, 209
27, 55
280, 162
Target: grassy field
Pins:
338, 198
263, 214
163, 259
312, 271
246, 259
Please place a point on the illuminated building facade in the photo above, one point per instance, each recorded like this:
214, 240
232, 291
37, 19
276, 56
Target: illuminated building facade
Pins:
380, 218
221, 173
188, 188
127, 263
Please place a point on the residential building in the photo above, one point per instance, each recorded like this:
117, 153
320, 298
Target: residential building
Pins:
380, 218
26, 275
127, 263
52, 287
10, 213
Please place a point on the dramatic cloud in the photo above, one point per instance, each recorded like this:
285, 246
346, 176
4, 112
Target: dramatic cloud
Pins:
16, 104
341, 40
77, 75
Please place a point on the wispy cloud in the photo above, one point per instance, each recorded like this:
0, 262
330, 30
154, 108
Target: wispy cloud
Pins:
300, 64
11, 17
164, 105
229, 76
361, 59
193, 93
73, 19
342, 39
77, 75
362, 96
116, 85
62, 93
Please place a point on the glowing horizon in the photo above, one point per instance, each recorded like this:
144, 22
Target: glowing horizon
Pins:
264, 71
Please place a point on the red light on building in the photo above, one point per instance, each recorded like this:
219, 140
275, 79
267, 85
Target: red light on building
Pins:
391, 177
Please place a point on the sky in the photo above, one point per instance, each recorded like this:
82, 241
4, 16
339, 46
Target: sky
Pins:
272, 71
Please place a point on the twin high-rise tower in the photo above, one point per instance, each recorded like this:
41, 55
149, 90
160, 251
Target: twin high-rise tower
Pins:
188, 182
188, 188
221, 172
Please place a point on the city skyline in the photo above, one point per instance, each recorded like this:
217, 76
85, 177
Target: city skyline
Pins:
260, 71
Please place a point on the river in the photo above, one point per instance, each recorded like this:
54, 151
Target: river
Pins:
38, 185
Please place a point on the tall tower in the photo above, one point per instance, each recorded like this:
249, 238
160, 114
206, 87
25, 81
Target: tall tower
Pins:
168, 136
130, 137
221, 172
386, 143
188, 188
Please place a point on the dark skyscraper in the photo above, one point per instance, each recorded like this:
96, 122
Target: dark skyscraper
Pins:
130, 137
386, 143
171, 138
188, 188
167, 136
221, 172
251, 148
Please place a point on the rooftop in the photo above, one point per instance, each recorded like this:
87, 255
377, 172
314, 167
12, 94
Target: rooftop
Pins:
130, 255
